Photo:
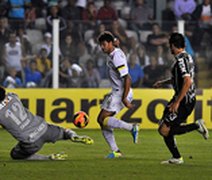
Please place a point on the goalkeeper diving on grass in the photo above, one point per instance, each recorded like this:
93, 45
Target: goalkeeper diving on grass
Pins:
32, 131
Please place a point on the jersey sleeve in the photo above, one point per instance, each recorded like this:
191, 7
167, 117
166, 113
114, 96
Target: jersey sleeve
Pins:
120, 63
12, 94
183, 66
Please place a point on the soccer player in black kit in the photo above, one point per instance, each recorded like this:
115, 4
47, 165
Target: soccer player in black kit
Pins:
183, 101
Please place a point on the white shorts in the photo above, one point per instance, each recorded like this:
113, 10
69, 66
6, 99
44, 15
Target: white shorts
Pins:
113, 101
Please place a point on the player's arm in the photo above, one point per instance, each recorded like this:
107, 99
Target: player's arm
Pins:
127, 85
162, 82
186, 85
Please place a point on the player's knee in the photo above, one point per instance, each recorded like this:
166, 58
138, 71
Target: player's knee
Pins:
100, 120
103, 117
16, 154
13, 154
163, 133
164, 130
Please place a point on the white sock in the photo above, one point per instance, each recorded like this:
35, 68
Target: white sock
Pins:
37, 157
110, 138
119, 124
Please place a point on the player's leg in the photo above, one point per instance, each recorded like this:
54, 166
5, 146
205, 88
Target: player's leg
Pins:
110, 139
171, 125
26, 151
182, 129
170, 142
55, 133
183, 112
108, 135
113, 104
199, 125
120, 124
164, 129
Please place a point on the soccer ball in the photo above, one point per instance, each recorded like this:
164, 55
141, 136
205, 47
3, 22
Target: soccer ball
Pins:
80, 119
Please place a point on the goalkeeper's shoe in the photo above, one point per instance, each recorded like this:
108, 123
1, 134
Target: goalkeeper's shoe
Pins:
82, 139
202, 128
173, 161
58, 156
114, 154
134, 132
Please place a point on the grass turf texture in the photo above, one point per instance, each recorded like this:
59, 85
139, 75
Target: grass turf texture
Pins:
141, 161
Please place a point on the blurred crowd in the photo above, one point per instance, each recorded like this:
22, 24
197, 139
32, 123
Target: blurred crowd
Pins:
26, 39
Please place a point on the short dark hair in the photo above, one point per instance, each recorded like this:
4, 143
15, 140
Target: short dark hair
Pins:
106, 36
177, 40
2, 93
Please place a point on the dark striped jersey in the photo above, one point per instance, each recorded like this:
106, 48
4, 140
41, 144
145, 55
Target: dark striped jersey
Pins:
183, 66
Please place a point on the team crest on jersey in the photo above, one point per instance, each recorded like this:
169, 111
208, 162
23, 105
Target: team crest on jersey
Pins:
172, 116
122, 55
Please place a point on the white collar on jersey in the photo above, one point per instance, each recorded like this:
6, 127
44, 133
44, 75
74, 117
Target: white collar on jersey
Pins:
112, 53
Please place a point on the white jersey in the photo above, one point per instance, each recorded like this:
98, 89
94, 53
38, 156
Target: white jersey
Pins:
13, 56
117, 69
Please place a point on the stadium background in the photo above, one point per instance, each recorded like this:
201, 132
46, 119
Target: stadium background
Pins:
58, 105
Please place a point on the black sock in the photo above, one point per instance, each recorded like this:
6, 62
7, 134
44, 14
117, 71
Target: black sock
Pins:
170, 143
177, 130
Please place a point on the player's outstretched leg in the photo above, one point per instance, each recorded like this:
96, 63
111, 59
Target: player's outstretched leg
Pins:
69, 134
202, 128
112, 122
40, 157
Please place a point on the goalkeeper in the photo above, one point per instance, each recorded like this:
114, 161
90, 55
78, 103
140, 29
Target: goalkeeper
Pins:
31, 131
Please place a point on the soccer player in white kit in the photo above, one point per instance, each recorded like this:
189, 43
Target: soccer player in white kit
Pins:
120, 96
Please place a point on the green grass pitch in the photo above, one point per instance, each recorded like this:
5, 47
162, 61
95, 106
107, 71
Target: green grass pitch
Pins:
140, 161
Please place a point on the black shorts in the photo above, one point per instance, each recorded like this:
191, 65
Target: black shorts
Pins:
23, 150
184, 110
